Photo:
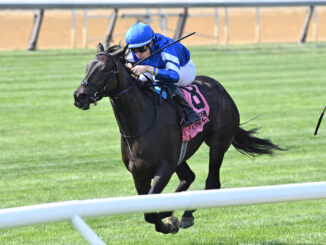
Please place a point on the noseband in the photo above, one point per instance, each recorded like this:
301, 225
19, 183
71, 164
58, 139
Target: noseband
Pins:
100, 93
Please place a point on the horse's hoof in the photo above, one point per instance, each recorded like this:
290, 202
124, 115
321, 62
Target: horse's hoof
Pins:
174, 224
186, 222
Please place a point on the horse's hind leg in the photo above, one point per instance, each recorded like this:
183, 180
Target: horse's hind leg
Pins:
216, 156
186, 177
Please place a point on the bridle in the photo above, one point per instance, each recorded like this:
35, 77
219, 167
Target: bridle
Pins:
100, 93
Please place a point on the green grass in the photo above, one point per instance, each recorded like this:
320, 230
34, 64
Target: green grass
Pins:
51, 151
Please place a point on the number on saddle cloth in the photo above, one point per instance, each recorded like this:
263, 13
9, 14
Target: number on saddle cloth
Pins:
198, 102
196, 98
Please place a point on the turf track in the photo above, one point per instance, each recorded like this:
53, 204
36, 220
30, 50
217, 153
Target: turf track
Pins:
51, 151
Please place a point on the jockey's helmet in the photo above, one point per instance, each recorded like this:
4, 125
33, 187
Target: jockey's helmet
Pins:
139, 35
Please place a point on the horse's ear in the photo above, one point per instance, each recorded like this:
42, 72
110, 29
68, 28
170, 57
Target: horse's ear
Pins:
100, 48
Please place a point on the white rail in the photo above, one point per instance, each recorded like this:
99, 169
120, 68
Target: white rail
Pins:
128, 4
73, 210
69, 4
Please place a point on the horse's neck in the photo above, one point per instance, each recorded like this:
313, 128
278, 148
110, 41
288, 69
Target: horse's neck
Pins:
133, 110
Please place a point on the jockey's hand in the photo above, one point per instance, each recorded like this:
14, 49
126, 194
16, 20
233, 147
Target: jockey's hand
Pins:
128, 65
141, 69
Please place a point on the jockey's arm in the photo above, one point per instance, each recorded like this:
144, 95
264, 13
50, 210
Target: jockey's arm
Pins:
172, 67
167, 75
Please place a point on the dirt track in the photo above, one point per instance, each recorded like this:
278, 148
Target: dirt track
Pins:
277, 25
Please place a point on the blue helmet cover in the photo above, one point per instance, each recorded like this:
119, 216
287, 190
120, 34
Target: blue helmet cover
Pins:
139, 35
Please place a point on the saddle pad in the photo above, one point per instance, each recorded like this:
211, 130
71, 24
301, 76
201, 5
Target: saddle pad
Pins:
198, 102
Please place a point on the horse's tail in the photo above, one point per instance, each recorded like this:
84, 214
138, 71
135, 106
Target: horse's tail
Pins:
246, 143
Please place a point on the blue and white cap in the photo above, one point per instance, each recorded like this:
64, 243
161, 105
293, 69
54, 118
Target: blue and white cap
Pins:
139, 35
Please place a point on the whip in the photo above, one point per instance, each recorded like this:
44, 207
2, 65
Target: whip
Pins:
178, 40
319, 121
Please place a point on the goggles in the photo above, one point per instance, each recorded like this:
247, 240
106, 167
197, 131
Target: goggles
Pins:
140, 49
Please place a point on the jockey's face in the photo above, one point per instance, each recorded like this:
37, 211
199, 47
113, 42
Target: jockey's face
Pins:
146, 51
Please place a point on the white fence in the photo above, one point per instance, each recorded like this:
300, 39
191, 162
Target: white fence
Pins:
74, 210
131, 4
71, 4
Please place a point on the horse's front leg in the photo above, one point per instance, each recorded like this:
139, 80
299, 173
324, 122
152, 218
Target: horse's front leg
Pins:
143, 186
161, 179
186, 177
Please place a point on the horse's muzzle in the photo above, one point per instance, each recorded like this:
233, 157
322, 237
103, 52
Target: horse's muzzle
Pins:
81, 99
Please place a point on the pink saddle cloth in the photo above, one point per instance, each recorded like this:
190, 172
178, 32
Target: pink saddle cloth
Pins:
198, 102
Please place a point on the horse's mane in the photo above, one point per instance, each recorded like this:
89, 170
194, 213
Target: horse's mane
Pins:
114, 48
118, 51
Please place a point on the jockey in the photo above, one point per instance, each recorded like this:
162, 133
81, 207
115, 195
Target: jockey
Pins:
172, 67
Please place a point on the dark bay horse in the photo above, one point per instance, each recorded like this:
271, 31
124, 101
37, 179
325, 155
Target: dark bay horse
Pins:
151, 133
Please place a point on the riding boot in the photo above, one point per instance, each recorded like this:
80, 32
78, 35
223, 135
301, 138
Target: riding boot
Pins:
190, 115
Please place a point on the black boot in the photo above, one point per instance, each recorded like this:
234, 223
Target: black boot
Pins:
190, 115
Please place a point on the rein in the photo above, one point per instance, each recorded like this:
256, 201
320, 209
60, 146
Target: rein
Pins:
100, 93
117, 95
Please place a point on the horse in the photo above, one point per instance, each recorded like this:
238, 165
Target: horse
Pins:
151, 136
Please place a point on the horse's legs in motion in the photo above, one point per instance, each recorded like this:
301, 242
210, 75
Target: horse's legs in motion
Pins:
216, 155
186, 177
161, 179
143, 185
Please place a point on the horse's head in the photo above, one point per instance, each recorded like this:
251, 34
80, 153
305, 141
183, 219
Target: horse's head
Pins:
100, 78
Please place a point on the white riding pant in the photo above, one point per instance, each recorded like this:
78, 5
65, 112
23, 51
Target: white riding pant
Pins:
187, 75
